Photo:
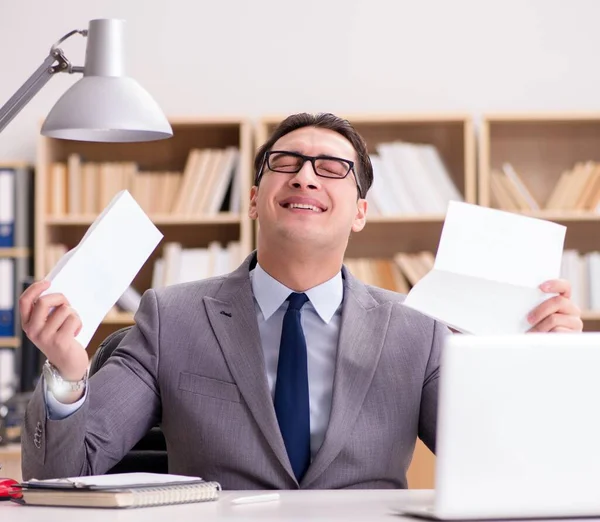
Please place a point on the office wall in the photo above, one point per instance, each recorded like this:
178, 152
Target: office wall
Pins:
271, 56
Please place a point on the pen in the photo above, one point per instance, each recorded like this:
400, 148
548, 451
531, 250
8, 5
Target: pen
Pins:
269, 497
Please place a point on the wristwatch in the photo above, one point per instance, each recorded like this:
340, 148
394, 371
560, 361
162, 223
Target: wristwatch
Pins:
59, 386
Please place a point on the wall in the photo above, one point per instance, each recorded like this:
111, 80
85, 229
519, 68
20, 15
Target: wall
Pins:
272, 56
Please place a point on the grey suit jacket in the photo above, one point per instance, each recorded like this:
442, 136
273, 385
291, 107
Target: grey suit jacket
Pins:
194, 363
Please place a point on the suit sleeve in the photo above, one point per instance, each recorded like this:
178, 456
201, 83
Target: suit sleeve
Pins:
121, 405
429, 396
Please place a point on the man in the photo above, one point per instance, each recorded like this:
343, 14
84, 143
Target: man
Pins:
339, 405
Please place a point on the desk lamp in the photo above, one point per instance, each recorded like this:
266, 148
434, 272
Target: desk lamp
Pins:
104, 105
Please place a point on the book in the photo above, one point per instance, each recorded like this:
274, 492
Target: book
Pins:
7, 208
7, 297
121, 490
529, 202
23, 206
8, 377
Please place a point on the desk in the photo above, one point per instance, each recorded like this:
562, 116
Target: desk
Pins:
294, 506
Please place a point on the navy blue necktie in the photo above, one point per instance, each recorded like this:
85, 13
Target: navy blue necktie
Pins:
291, 388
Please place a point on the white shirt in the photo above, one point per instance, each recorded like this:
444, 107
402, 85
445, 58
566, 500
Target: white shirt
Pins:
320, 318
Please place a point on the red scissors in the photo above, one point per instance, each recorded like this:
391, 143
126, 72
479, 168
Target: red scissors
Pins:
9, 489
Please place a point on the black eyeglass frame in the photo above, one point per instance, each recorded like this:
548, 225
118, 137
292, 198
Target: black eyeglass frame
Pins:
304, 159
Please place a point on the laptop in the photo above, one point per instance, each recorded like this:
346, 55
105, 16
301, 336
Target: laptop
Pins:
518, 428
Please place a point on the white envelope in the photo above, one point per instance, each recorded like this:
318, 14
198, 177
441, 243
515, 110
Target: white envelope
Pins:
488, 269
94, 274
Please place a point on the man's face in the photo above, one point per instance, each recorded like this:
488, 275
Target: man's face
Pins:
335, 209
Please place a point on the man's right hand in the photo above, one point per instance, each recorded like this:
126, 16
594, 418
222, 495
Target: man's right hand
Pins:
52, 325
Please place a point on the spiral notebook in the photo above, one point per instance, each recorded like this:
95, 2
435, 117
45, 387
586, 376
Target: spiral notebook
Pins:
125, 490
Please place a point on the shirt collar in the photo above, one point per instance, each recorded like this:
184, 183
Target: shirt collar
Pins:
270, 294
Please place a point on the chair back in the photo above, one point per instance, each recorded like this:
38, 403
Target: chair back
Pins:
149, 455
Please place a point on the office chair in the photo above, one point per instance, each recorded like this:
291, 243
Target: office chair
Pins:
149, 455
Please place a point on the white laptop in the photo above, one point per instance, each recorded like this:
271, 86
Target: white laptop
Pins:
518, 428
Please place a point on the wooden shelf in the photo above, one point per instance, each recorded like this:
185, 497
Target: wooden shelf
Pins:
591, 315
161, 156
539, 146
9, 342
591, 320
408, 218
118, 318
565, 216
166, 155
17, 252
542, 117
386, 238
223, 218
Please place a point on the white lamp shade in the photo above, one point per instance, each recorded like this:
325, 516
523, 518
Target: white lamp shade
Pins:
108, 109
106, 105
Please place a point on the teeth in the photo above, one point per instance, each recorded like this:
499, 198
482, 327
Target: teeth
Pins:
307, 207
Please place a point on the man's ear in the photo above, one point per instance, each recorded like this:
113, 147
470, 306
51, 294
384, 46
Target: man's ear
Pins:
253, 211
360, 220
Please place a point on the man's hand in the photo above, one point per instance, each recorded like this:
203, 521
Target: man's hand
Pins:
557, 314
52, 325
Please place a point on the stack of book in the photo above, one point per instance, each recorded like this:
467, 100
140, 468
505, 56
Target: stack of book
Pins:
410, 178
181, 265
209, 184
583, 272
16, 231
577, 189
383, 273
398, 274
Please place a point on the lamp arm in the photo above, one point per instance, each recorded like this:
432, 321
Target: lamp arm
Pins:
54, 63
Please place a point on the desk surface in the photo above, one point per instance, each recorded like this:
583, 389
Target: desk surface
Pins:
331, 506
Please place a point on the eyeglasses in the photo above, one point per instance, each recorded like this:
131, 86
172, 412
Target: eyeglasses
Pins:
324, 166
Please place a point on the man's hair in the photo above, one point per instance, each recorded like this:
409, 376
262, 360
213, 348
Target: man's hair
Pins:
362, 167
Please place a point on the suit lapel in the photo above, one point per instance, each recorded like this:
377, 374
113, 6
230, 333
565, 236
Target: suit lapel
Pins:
362, 333
233, 318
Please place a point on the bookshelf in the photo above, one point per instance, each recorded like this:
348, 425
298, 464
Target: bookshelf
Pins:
15, 253
172, 155
542, 147
385, 235
9, 342
16, 208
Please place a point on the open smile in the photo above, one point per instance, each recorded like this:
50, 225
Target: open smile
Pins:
302, 208
297, 204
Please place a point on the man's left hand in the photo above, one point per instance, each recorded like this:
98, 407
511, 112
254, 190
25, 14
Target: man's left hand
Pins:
557, 314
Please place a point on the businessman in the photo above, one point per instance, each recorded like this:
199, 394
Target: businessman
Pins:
287, 373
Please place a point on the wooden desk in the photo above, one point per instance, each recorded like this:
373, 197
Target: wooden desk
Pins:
10, 460
296, 506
